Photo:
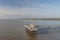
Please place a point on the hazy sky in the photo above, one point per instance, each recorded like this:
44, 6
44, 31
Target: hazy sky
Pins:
28, 8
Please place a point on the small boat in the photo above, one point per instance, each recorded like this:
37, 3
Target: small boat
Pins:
31, 27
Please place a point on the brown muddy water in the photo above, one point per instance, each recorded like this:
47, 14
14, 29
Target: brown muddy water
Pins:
13, 29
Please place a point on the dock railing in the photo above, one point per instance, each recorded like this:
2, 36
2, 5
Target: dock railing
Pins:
49, 28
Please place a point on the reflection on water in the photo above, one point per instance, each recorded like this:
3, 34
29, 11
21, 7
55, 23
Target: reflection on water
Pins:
31, 35
35, 35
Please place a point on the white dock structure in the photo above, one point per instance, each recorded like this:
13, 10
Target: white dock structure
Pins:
43, 28
49, 28
31, 27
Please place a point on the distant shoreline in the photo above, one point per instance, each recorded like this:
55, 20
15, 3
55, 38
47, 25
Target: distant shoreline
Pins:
41, 18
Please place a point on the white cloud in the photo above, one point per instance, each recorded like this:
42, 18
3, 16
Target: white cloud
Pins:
6, 11
18, 11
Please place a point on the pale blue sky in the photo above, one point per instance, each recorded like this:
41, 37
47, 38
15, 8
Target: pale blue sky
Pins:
30, 8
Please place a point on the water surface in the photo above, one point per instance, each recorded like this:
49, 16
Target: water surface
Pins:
13, 29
